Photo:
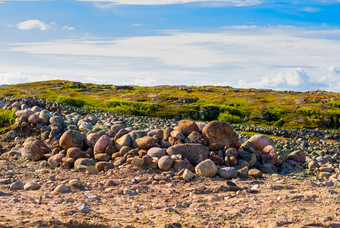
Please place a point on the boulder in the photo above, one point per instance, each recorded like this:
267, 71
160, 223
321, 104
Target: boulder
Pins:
194, 137
195, 153
72, 138
227, 172
74, 152
35, 149
146, 142
298, 156
33, 119
220, 133
206, 168
187, 126
101, 144
183, 164
104, 166
165, 163
261, 141
255, 173
83, 162
269, 155
156, 152
125, 140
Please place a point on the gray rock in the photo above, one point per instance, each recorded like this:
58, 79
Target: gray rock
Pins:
268, 168
298, 156
72, 138
195, 153
32, 185
62, 189
129, 192
35, 149
165, 163
206, 168
18, 185
125, 140
227, 172
156, 152
83, 208
83, 162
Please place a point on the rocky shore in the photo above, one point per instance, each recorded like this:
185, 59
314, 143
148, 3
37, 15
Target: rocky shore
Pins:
59, 138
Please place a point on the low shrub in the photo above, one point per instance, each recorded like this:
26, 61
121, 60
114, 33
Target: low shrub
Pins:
7, 117
133, 107
228, 118
71, 101
274, 113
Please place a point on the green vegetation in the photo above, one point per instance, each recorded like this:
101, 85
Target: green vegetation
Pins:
228, 118
7, 118
244, 106
133, 107
71, 101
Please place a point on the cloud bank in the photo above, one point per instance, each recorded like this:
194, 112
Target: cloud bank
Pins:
285, 58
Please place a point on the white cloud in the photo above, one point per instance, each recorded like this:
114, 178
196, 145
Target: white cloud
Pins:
35, 24
21, 77
295, 78
271, 57
67, 27
311, 9
170, 2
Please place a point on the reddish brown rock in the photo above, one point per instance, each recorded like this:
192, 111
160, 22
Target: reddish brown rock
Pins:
101, 144
187, 126
261, 141
220, 133
74, 152
35, 149
145, 142
72, 138
269, 155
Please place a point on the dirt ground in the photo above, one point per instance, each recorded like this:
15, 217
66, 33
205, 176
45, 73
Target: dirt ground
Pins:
149, 198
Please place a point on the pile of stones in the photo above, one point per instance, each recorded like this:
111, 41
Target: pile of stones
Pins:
98, 143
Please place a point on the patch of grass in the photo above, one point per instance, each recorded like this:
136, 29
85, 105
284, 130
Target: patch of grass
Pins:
228, 118
71, 101
7, 118
250, 134
133, 107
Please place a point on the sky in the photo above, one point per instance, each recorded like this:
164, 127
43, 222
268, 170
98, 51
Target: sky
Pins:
280, 45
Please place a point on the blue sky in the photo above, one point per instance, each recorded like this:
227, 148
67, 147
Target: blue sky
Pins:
285, 45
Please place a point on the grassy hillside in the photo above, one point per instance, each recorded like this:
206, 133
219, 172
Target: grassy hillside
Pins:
285, 109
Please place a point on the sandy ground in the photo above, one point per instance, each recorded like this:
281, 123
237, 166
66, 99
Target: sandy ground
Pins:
162, 200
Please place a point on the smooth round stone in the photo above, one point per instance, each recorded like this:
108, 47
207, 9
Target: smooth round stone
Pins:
16, 186
255, 173
31, 186
228, 172
137, 161
206, 168
165, 163
62, 189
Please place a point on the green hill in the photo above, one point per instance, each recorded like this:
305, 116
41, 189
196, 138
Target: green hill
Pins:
284, 109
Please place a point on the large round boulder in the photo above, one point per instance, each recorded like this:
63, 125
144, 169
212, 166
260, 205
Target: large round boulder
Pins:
206, 168
261, 141
220, 133
165, 163
156, 152
101, 144
194, 152
146, 142
187, 126
35, 149
72, 138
